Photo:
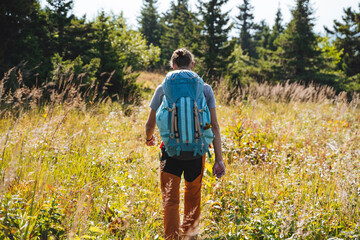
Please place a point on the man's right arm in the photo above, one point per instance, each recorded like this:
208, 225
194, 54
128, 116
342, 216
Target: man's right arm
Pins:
151, 122
150, 128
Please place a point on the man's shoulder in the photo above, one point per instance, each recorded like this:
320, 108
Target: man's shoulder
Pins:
159, 89
207, 89
207, 86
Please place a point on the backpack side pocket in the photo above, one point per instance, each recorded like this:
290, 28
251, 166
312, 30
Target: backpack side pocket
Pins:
208, 134
163, 118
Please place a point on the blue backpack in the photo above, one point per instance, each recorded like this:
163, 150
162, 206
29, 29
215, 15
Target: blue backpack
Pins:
183, 117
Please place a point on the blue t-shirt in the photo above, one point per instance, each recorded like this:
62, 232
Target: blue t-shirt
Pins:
159, 94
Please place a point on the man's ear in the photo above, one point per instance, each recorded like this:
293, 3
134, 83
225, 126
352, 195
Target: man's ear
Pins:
192, 65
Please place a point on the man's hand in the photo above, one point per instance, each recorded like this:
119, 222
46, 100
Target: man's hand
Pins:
219, 169
151, 142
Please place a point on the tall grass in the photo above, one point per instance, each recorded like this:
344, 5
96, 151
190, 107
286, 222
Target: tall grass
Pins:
76, 168
285, 92
293, 173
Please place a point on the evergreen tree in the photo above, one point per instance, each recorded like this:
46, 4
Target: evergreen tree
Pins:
120, 51
278, 22
261, 35
179, 29
109, 59
60, 17
348, 38
169, 40
246, 24
15, 18
298, 44
276, 31
80, 36
71, 37
24, 41
216, 29
150, 22
33, 48
190, 38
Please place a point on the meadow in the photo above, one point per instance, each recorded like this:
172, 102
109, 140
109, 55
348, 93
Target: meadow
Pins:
75, 169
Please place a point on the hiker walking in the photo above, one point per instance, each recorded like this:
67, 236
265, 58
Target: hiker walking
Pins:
183, 107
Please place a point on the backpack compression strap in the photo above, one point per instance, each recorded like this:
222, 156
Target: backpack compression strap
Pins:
197, 123
174, 123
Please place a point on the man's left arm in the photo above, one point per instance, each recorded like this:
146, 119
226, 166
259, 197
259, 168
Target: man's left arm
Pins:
219, 167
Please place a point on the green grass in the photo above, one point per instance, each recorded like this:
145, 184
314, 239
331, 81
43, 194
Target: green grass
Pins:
293, 172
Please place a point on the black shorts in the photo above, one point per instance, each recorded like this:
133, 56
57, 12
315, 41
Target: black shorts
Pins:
191, 168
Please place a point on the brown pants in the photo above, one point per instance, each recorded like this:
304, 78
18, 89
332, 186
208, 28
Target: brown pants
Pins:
170, 177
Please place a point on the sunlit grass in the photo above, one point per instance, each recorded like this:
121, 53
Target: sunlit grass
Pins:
85, 161
293, 172
149, 81
84, 172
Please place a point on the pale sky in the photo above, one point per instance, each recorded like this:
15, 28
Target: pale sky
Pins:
325, 10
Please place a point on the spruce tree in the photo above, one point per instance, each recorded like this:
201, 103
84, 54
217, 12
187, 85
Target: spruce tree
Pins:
277, 29
170, 38
24, 41
111, 75
298, 53
80, 37
278, 22
178, 29
348, 39
246, 24
60, 16
261, 35
15, 18
120, 51
150, 22
216, 29
191, 38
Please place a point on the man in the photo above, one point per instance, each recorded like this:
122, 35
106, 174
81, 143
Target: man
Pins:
172, 167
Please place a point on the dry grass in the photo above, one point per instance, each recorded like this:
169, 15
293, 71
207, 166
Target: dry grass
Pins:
150, 80
72, 168
294, 173
285, 92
